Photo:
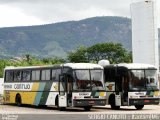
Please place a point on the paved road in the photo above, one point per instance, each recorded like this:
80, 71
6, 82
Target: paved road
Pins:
52, 113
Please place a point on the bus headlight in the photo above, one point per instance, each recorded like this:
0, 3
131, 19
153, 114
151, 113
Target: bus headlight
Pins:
134, 97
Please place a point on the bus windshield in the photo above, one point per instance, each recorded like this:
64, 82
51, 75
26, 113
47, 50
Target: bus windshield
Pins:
151, 79
89, 79
143, 80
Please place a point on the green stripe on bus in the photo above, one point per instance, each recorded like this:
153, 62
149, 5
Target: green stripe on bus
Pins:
93, 93
39, 94
97, 94
45, 93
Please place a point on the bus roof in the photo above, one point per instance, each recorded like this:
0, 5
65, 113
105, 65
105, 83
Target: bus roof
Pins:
71, 65
134, 66
83, 66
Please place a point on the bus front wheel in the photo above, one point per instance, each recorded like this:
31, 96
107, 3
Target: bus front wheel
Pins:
18, 100
112, 102
114, 107
139, 107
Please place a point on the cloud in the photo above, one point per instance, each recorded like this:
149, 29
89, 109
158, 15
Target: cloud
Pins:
62, 10
15, 17
51, 11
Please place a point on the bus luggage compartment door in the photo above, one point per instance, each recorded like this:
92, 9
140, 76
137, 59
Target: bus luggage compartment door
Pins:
62, 100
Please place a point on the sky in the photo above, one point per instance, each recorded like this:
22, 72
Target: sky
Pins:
37, 12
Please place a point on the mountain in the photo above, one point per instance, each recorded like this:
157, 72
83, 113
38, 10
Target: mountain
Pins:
59, 38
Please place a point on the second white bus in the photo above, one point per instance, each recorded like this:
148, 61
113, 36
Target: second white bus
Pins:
131, 85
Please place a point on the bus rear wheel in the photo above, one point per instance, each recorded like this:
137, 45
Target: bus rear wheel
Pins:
18, 100
139, 107
62, 108
87, 108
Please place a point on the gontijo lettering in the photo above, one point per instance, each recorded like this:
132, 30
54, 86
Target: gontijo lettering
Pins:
22, 86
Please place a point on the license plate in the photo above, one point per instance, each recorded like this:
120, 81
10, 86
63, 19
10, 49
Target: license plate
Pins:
146, 101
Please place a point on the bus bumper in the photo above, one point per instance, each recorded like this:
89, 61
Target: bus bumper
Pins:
148, 101
90, 102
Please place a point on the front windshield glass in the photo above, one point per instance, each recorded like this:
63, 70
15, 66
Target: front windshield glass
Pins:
96, 79
137, 79
89, 79
151, 79
143, 79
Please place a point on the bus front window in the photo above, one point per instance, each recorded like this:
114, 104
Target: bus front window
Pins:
89, 79
151, 79
82, 79
96, 79
143, 80
137, 80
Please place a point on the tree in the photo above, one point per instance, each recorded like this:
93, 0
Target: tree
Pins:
114, 52
53, 60
2, 65
80, 55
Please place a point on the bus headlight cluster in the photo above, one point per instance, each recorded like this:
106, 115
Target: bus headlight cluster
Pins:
134, 96
102, 102
79, 102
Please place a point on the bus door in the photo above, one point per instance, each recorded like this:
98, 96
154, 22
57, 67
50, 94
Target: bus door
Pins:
62, 97
125, 88
69, 89
118, 91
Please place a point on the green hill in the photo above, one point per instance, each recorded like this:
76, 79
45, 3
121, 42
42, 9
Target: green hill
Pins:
59, 38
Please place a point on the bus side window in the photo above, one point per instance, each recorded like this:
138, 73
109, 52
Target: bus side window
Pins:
45, 75
9, 76
53, 77
35, 75
55, 74
58, 72
17, 75
26, 75
70, 83
125, 83
110, 75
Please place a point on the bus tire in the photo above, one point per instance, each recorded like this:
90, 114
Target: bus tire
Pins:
18, 100
139, 107
62, 108
56, 101
112, 102
87, 108
42, 106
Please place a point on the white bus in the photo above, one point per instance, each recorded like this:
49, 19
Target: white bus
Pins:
1, 89
131, 84
1, 85
65, 85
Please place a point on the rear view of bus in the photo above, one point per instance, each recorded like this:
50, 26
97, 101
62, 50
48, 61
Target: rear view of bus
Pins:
132, 84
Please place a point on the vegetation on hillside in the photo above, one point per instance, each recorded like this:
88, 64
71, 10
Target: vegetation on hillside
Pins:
27, 60
114, 52
55, 40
